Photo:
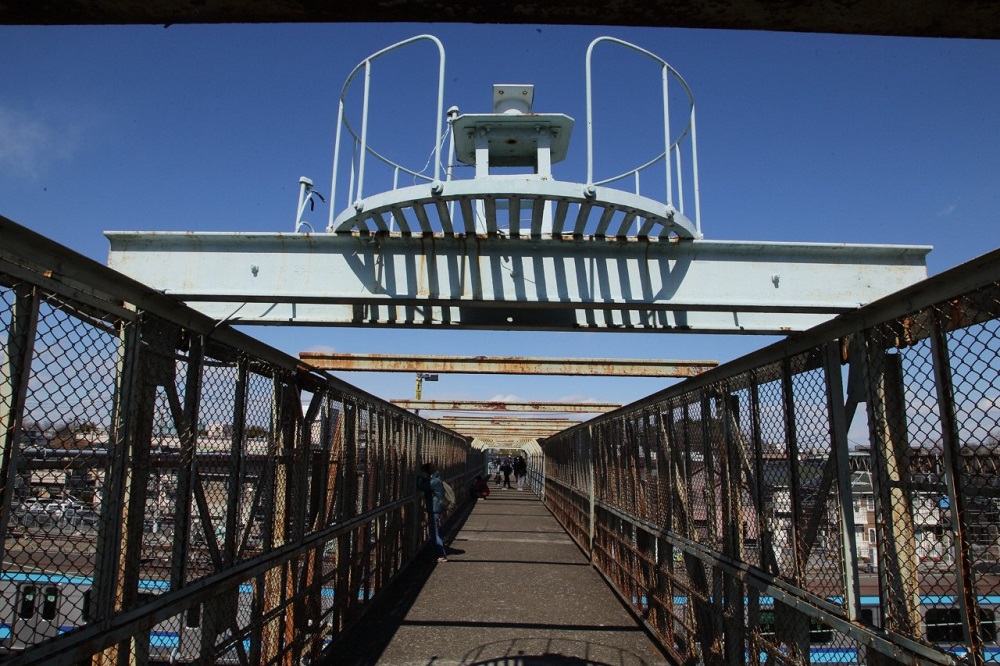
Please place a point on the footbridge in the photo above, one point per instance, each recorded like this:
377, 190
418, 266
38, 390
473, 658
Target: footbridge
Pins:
176, 491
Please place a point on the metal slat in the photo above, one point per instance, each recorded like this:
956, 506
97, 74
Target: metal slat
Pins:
468, 216
582, 216
400, 217
626, 224
422, 219
559, 219
605, 222
490, 208
514, 217
445, 216
379, 221
646, 227
538, 208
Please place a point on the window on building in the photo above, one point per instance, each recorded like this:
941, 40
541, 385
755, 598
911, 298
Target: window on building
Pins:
27, 606
987, 625
944, 625
50, 602
868, 616
871, 535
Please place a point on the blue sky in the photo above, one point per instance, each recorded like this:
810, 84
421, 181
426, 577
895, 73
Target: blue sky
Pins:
802, 137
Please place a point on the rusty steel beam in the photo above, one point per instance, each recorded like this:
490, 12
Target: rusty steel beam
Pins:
507, 435
472, 426
504, 406
506, 365
506, 421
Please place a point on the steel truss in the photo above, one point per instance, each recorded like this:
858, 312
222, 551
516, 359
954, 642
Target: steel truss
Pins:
174, 490
732, 512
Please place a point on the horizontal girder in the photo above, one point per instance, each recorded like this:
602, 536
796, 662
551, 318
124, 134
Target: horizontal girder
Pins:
506, 365
515, 283
536, 428
504, 406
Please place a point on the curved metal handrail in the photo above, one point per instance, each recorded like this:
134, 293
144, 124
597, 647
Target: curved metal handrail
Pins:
666, 72
362, 140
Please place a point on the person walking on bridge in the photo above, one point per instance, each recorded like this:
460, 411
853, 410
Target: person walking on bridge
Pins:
520, 471
506, 469
432, 486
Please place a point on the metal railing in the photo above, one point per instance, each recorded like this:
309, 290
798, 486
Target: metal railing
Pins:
173, 490
751, 515
434, 198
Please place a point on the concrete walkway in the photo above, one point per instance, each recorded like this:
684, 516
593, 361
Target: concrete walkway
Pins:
516, 591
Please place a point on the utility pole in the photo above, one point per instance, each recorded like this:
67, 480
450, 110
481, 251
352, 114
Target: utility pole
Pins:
421, 378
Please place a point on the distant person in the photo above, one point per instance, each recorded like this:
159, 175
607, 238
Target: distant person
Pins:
506, 469
520, 472
433, 488
480, 489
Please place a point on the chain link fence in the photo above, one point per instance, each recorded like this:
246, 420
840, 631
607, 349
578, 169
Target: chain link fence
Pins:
173, 490
833, 498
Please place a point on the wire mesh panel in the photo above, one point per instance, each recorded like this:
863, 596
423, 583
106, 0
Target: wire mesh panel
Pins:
175, 491
833, 498
56, 464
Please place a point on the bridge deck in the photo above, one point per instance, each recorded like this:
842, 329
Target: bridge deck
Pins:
516, 590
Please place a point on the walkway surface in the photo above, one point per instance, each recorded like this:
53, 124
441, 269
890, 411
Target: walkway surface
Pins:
516, 591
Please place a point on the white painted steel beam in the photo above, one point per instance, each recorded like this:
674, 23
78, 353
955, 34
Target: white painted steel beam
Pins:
515, 284
507, 407
506, 365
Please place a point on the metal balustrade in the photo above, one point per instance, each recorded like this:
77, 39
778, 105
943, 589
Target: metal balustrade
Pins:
175, 490
745, 520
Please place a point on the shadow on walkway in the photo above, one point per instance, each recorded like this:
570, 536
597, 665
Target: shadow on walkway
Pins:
516, 591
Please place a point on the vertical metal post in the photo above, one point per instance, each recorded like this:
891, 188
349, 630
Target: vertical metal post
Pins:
732, 488
290, 520
694, 167
415, 437
890, 454
336, 160
711, 486
591, 490
665, 79
792, 627
792, 444
347, 600
186, 470
765, 547
839, 424
664, 553
270, 583
236, 459
364, 133
13, 393
156, 368
105, 597
952, 462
